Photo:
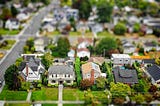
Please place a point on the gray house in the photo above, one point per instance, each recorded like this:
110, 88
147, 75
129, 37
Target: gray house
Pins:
59, 74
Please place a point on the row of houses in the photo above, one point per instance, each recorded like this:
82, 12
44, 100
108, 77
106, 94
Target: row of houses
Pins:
62, 70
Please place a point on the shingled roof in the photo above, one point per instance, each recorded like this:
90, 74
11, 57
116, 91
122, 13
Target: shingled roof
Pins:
125, 76
154, 72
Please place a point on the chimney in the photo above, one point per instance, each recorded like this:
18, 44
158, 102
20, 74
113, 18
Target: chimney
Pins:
92, 76
27, 69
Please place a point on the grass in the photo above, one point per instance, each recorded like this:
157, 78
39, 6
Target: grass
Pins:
72, 94
104, 33
12, 95
49, 104
71, 33
45, 94
9, 45
17, 104
73, 105
8, 32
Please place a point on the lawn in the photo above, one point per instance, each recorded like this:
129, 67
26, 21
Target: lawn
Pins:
45, 94
73, 105
12, 95
104, 33
8, 32
49, 104
72, 94
17, 104
9, 45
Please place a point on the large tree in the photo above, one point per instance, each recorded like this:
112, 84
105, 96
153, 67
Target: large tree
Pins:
120, 29
84, 7
104, 9
6, 14
62, 48
12, 78
14, 11
105, 45
101, 83
47, 60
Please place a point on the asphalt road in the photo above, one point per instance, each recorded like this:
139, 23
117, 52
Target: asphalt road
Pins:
29, 31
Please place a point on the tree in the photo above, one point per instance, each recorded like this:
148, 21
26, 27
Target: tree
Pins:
14, 11
140, 87
148, 98
84, 7
119, 90
47, 60
153, 8
62, 48
105, 45
18, 61
122, 3
73, 23
101, 83
139, 98
104, 9
29, 47
26, 2
120, 29
157, 61
12, 79
6, 14
77, 70
153, 88
46, 2
118, 100
136, 27
85, 84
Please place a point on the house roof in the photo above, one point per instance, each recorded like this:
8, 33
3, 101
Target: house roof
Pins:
149, 44
60, 69
82, 49
152, 61
120, 56
140, 57
125, 76
98, 60
14, 19
86, 68
89, 40
154, 71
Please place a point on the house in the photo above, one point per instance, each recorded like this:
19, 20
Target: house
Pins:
59, 74
12, 23
90, 71
71, 54
150, 45
148, 61
23, 16
84, 42
120, 59
83, 52
49, 27
40, 43
126, 76
154, 72
139, 59
31, 68
128, 47
97, 60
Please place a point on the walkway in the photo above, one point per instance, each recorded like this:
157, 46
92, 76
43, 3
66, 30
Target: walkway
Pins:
60, 94
29, 95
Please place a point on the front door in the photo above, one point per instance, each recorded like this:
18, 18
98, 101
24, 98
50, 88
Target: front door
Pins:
60, 82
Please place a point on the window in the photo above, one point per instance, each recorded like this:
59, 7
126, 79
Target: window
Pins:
120, 60
30, 73
68, 81
65, 75
68, 75
56, 75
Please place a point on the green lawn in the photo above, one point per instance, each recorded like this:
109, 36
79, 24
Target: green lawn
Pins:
104, 33
12, 95
73, 105
71, 33
45, 94
49, 104
72, 94
8, 32
9, 45
17, 104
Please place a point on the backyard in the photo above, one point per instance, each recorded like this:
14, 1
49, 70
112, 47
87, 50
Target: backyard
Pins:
45, 94
12, 95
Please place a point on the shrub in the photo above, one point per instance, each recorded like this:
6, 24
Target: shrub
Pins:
136, 27
120, 29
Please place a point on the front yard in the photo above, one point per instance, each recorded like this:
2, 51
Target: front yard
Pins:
12, 95
8, 32
72, 94
45, 94
17, 104
7, 44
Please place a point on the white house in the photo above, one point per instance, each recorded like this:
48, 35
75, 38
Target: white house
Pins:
31, 68
12, 23
40, 43
48, 27
59, 74
23, 16
120, 59
83, 52
150, 45
128, 47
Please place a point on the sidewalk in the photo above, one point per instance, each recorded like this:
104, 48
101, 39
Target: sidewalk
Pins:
60, 92
29, 96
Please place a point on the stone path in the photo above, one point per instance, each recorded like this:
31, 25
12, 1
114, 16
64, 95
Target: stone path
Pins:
60, 93
29, 95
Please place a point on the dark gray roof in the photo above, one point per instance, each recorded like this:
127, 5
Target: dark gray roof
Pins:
22, 66
154, 71
61, 69
150, 44
27, 57
125, 76
151, 61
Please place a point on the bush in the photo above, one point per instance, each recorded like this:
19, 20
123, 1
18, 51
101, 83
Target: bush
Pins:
136, 27
94, 88
120, 29
74, 85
